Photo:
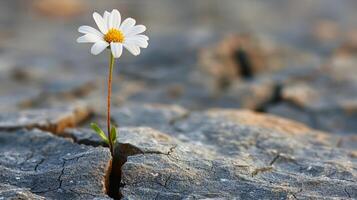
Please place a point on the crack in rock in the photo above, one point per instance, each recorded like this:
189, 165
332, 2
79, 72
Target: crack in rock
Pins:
57, 166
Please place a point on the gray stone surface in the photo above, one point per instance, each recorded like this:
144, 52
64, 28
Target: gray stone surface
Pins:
298, 63
12, 192
229, 154
166, 118
275, 167
37, 165
159, 116
218, 153
84, 136
53, 119
324, 102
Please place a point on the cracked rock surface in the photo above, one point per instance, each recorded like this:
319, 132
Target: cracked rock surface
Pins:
275, 164
37, 165
298, 63
226, 153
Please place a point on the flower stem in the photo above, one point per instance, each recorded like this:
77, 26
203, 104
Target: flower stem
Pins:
111, 66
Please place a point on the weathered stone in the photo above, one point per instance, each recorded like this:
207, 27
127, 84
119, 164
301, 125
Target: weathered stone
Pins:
54, 119
84, 136
291, 111
243, 57
35, 164
157, 116
234, 57
12, 192
325, 103
231, 154
277, 159
252, 95
348, 142
188, 171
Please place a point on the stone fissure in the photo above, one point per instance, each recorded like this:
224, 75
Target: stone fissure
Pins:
123, 151
261, 170
59, 179
274, 159
39, 163
276, 98
348, 194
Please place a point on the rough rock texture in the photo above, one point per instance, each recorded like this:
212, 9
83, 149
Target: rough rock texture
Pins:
37, 165
166, 118
298, 63
225, 153
235, 158
84, 136
159, 116
12, 192
54, 119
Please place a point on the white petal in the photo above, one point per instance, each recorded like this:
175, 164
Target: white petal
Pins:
89, 38
141, 37
137, 41
106, 16
117, 49
89, 30
127, 24
114, 19
98, 47
136, 30
144, 37
132, 48
102, 25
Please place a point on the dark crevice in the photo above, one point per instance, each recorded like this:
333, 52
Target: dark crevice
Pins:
296, 193
39, 163
244, 69
347, 193
89, 142
121, 154
243, 63
261, 170
266, 168
276, 98
274, 159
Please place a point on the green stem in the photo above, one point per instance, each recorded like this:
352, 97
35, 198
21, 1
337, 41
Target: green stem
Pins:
111, 66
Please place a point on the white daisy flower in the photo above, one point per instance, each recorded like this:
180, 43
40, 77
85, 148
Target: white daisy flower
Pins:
114, 34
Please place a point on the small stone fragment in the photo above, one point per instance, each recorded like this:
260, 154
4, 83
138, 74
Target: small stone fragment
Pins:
54, 120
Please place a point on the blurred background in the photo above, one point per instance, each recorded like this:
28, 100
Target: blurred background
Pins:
295, 59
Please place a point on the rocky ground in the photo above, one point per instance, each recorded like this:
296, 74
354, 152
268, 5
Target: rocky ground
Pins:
220, 116
168, 152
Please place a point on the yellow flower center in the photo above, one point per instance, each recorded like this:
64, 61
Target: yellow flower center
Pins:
114, 35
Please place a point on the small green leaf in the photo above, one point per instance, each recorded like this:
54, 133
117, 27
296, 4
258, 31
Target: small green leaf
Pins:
99, 131
113, 134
